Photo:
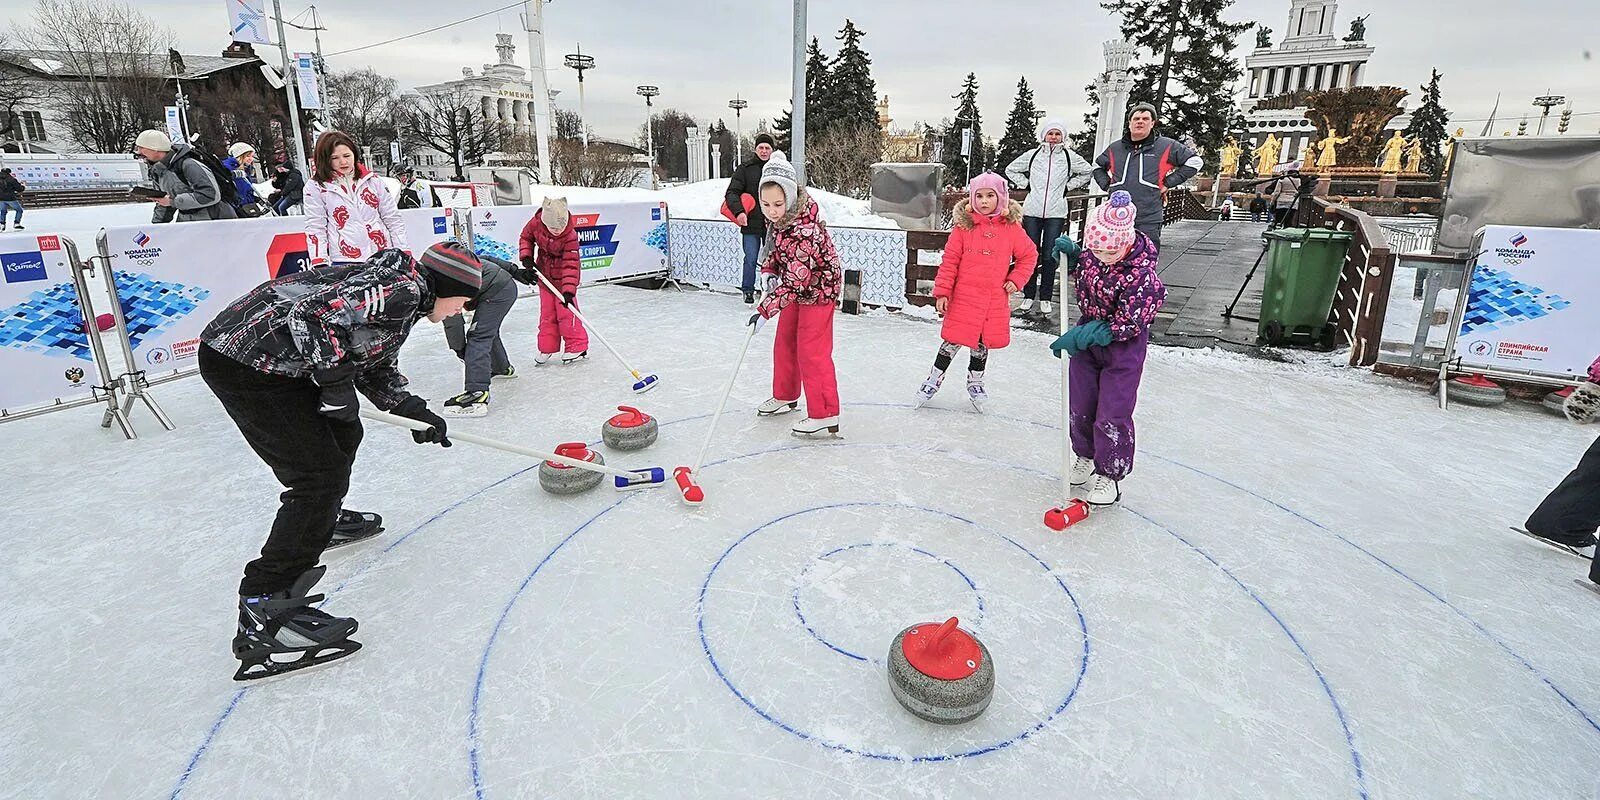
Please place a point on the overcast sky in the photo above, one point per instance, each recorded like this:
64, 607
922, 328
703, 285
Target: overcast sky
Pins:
701, 52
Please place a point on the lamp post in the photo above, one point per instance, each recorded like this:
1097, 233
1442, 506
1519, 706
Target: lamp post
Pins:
581, 62
738, 105
1547, 102
649, 93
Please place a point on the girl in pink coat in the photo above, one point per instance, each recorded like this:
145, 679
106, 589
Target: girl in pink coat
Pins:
987, 257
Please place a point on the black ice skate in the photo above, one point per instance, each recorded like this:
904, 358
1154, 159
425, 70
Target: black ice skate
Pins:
1575, 547
354, 526
281, 632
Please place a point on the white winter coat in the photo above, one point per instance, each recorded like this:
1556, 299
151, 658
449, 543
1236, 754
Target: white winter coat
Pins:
352, 225
1055, 170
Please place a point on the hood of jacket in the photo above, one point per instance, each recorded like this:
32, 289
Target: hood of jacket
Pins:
963, 217
805, 210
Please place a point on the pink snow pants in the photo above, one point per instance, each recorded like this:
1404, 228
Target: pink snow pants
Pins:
558, 326
802, 357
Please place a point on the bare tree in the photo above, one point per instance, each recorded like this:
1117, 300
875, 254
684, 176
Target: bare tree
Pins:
569, 125
15, 89
119, 52
454, 123
840, 159
363, 105
601, 166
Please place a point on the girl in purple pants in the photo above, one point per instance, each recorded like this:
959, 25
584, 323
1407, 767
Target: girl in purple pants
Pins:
1118, 296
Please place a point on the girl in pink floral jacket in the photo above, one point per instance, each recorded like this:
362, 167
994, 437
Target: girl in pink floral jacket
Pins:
350, 214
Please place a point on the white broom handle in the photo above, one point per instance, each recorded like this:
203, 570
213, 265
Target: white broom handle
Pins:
726, 391
411, 424
588, 326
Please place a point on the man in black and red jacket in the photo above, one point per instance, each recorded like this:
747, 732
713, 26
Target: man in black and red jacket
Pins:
746, 182
1146, 164
286, 360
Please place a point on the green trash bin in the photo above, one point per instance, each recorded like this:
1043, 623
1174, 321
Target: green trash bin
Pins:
1303, 267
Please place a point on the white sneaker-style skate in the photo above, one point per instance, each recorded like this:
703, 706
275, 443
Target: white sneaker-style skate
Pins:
1082, 469
1046, 307
930, 387
976, 394
543, 358
774, 407
815, 427
1102, 491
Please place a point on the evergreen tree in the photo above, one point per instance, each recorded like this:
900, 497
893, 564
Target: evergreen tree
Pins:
850, 97
1021, 135
1192, 73
967, 116
817, 80
1428, 124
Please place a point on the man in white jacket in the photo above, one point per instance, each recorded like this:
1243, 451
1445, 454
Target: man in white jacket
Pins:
1048, 172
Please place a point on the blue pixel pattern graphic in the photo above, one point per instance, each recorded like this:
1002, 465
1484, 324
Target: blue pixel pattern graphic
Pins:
48, 322
485, 246
657, 238
152, 306
1499, 300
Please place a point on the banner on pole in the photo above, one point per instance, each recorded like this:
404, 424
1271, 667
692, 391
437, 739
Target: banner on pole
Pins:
1532, 302
174, 125
305, 70
247, 21
616, 241
45, 354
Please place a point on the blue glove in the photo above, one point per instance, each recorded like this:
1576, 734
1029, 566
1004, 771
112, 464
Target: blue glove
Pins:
1082, 337
755, 323
1069, 248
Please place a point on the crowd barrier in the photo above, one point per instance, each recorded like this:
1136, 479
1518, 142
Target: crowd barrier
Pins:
711, 253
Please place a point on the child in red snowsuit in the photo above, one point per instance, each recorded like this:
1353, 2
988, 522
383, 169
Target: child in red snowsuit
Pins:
549, 245
803, 279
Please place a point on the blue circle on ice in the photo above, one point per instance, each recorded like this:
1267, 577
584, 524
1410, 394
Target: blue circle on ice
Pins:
970, 622
833, 744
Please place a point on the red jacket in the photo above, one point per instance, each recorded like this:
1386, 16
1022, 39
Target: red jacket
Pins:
980, 256
554, 254
804, 260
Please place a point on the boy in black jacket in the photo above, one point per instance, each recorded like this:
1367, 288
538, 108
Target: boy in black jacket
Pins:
286, 360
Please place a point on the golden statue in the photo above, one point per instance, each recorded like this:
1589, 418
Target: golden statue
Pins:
1267, 154
1230, 158
1460, 132
1308, 157
1414, 156
1393, 151
1329, 157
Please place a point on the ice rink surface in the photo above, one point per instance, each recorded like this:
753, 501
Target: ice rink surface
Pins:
1310, 591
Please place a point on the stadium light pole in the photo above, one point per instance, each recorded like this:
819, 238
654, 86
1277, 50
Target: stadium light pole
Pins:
738, 105
649, 93
581, 62
797, 118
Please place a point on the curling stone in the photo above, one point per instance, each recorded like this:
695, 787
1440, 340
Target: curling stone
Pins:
631, 430
941, 673
1556, 401
562, 479
1475, 390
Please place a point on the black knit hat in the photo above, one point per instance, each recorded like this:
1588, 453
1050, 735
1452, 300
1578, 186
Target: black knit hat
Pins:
765, 139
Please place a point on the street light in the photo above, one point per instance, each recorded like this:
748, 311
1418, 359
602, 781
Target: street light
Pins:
738, 105
1547, 102
648, 93
581, 62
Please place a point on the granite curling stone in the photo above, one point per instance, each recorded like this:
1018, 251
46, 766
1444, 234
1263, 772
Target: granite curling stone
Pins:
631, 430
941, 673
562, 479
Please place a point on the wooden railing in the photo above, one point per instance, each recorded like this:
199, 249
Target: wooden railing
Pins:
1362, 300
57, 198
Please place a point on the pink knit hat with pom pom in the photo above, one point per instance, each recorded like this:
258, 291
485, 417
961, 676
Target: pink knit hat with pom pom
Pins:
989, 180
1111, 225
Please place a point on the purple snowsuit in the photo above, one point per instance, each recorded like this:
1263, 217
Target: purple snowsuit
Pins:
1103, 382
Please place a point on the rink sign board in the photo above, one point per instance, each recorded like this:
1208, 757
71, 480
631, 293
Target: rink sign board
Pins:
616, 241
1533, 301
44, 351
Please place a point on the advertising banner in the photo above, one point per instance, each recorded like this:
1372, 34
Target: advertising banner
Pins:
44, 353
1532, 302
616, 241
426, 227
173, 279
174, 125
247, 21
305, 71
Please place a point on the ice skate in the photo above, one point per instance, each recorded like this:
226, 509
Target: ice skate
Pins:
1102, 492
543, 358
975, 391
774, 407
281, 633
1046, 308
1082, 470
467, 404
354, 526
809, 428
573, 358
509, 374
930, 387
1575, 546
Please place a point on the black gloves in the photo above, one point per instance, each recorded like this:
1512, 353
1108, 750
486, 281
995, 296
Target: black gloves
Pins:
338, 385
525, 275
414, 407
568, 298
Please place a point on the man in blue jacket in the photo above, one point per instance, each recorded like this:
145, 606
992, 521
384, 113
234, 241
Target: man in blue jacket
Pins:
1146, 164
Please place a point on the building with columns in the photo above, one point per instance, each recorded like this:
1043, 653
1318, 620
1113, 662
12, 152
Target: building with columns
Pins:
1311, 56
503, 93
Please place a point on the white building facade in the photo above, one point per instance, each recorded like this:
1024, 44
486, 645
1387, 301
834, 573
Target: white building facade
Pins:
502, 93
1309, 57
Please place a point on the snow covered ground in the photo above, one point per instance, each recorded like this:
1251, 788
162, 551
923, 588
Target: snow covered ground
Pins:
1309, 592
